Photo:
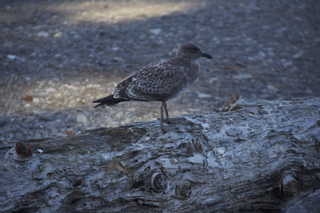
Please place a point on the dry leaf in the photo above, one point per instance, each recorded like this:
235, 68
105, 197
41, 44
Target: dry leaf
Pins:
234, 97
28, 98
111, 166
228, 67
69, 132
119, 167
23, 150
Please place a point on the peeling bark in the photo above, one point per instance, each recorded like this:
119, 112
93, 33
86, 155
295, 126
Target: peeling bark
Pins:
249, 157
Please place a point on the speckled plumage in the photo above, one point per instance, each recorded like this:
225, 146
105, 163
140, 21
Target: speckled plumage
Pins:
159, 81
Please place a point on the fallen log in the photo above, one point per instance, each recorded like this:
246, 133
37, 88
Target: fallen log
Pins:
250, 156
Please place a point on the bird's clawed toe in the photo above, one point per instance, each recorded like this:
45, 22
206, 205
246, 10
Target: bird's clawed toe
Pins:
166, 129
174, 120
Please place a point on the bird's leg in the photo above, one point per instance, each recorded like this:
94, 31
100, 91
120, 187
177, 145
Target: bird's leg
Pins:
172, 120
164, 108
167, 114
161, 118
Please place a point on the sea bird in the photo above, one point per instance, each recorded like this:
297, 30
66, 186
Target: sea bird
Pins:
159, 81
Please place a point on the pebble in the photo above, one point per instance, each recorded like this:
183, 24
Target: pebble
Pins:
43, 34
298, 55
46, 117
242, 76
213, 80
57, 35
155, 31
50, 90
118, 59
76, 36
273, 88
82, 119
12, 57
252, 59
286, 63
266, 27
271, 54
35, 112
261, 54
36, 100
282, 29
216, 40
202, 95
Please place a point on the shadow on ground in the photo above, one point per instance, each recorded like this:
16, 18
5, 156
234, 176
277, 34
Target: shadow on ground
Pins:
64, 54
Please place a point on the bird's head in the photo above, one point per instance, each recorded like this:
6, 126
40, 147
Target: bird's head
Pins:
191, 51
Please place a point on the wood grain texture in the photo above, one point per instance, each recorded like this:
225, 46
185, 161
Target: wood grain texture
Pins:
260, 155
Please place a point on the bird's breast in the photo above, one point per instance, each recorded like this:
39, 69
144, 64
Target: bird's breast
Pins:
194, 71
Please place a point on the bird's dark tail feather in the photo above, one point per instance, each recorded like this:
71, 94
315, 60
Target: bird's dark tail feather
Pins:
108, 101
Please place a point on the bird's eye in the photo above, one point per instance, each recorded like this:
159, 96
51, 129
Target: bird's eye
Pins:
194, 48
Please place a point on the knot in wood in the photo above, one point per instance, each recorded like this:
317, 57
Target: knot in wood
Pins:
77, 183
197, 145
140, 202
184, 190
289, 186
158, 182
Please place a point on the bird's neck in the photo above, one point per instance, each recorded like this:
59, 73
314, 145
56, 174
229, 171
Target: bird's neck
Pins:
185, 58
189, 62
182, 55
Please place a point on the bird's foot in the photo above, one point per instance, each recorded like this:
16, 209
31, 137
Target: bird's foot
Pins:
174, 120
166, 129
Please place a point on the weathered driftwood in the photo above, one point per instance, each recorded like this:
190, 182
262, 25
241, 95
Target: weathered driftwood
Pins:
260, 155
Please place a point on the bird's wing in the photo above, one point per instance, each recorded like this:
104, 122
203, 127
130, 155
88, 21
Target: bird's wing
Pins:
154, 82
119, 91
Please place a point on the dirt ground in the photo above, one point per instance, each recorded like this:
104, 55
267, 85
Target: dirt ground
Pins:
56, 57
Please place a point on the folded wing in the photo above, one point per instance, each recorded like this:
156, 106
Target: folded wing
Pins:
156, 82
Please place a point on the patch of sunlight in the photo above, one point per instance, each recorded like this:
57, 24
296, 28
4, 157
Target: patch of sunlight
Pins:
108, 11
124, 11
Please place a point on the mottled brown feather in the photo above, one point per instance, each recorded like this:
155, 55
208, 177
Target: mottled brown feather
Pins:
159, 81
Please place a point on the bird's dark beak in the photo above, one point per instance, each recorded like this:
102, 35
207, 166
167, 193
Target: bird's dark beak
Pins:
207, 55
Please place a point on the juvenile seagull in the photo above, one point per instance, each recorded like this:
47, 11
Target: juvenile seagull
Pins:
159, 81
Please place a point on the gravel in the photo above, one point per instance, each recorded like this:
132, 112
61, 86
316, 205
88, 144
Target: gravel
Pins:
65, 54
